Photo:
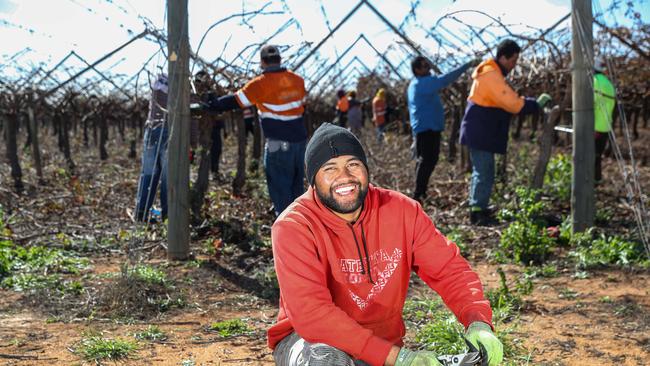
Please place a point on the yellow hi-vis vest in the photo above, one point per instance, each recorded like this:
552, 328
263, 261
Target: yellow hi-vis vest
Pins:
604, 102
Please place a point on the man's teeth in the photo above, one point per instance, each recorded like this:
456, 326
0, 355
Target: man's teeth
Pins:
344, 190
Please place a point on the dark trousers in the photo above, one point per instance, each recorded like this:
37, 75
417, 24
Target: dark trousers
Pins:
215, 149
427, 149
601, 142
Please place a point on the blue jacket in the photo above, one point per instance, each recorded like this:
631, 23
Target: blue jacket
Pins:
490, 107
425, 107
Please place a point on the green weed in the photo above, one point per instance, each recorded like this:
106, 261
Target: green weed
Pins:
38, 268
149, 275
507, 302
97, 348
15, 258
568, 294
526, 243
436, 329
526, 240
152, 333
557, 181
230, 328
443, 335
545, 271
604, 251
31, 281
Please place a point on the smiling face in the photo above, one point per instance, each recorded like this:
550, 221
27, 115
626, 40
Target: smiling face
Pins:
342, 184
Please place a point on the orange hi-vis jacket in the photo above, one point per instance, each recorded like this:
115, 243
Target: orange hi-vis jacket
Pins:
279, 96
490, 89
491, 104
343, 104
379, 111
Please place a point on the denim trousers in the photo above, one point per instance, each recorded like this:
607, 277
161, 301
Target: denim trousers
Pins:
379, 132
284, 167
482, 178
153, 171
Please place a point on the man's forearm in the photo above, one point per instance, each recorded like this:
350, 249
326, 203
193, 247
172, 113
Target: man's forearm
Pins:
222, 104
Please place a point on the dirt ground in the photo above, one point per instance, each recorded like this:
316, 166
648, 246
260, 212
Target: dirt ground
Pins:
598, 318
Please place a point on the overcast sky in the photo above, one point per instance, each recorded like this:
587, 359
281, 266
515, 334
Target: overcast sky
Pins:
92, 28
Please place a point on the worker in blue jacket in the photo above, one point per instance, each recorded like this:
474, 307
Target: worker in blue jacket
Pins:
427, 117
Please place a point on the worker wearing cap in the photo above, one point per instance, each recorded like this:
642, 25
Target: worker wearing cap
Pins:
484, 130
604, 102
278, 95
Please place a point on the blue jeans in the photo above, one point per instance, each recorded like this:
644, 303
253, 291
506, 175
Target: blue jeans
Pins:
482, 178
154, 170
379, 132
285, 171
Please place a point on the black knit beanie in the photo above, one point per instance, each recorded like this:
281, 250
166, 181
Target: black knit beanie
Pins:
330, 141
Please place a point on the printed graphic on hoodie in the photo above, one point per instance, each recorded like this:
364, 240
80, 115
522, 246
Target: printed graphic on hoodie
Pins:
382, 267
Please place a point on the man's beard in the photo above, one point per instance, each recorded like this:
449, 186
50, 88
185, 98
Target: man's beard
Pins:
332, 204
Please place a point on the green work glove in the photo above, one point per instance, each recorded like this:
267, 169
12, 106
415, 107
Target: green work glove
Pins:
411, 358
479, 334
543, 99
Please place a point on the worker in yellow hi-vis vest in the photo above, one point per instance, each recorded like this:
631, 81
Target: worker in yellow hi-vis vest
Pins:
604, 102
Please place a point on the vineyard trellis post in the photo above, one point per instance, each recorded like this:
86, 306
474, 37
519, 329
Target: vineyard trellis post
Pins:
178, 165
582, 54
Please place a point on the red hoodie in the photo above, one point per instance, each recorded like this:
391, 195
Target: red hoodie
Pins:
327, 294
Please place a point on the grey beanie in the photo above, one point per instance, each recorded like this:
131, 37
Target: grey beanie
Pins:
330, 141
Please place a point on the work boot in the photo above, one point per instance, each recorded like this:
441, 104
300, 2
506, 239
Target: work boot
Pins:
481, 217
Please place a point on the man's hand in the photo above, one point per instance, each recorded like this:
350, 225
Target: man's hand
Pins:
479, 333
543, 99
411, 358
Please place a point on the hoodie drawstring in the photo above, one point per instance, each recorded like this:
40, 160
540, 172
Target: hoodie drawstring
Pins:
365, 250
363, 271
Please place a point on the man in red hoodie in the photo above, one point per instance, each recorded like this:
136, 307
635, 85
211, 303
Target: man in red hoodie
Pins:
343, 255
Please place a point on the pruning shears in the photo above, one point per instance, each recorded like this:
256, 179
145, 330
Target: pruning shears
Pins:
473, 357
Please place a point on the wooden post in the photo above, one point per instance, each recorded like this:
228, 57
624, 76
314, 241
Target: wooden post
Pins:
240, 177
545, 147
582, 187
178, 234
36, 151
12, 148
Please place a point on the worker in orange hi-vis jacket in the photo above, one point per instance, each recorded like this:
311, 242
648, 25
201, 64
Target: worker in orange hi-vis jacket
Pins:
379, 113
342, 106
279, 96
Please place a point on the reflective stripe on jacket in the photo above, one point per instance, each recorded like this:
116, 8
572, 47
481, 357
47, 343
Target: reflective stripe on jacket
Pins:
278, 95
